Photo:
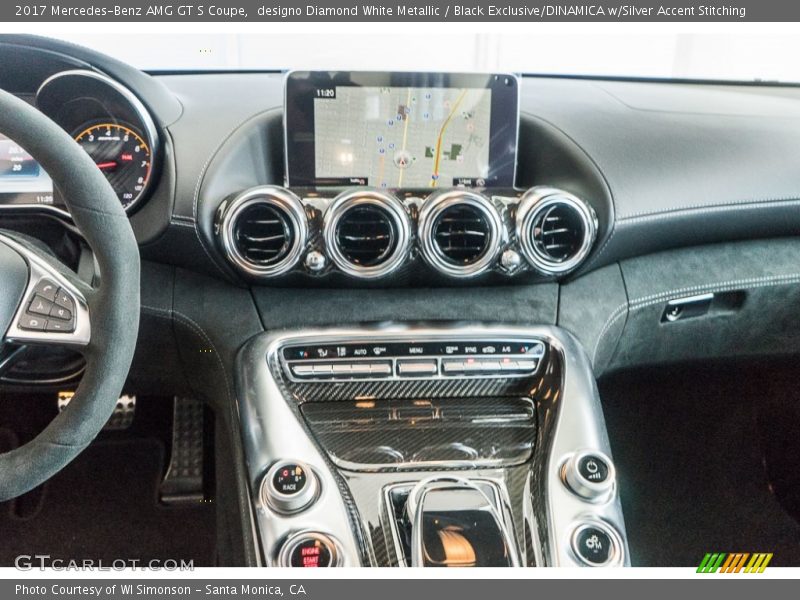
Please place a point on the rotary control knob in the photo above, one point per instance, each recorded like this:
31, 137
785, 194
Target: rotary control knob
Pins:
289, 487
590, 475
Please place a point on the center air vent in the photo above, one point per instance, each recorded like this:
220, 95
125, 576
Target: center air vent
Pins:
556, 229
263, 230
460, 232
367, 233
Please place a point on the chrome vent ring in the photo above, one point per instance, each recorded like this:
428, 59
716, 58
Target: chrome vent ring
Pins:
460, 232
556, 230
263, 231
367, 233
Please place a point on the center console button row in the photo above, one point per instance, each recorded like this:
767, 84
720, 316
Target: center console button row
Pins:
336, 370
481, 366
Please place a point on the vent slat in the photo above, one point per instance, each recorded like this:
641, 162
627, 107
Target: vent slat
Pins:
462, 234
263, 234
366, 235
558, 232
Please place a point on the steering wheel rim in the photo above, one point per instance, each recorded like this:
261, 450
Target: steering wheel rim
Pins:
113, 306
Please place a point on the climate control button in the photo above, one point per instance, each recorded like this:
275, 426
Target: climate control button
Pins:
289, 487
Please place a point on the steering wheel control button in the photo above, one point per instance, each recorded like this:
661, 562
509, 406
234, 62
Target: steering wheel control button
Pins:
32, 323
64, 300
595, 545
590, 475
46, 289
40, 306
61, 313
289, 487
309, 550
57, 326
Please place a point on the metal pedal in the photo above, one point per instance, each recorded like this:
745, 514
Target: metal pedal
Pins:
120, 419
183, 482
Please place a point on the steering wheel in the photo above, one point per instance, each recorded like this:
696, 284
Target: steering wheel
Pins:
44, 302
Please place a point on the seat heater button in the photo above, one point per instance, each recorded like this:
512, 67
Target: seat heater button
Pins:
32, 323
40, 306
341, 368
46, 289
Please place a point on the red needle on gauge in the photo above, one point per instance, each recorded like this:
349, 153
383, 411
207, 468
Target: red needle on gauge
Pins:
103, 166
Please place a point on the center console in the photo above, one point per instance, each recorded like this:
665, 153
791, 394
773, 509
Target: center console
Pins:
428, 445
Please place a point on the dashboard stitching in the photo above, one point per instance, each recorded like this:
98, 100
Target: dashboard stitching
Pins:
164, 313
693, 209
645, 301
699, 208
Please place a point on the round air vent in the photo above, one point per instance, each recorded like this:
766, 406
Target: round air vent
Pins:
556, 229
263, 230
367, 233
460, 232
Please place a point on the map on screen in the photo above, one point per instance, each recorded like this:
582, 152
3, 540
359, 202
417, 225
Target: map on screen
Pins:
408, 137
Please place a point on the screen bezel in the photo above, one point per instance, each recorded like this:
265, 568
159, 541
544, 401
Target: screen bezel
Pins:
298, 117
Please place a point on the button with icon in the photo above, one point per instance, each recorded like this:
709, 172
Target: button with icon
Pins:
590, 475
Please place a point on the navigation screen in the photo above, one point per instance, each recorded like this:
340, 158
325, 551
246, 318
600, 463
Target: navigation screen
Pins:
22, 180
403, 137
442, 130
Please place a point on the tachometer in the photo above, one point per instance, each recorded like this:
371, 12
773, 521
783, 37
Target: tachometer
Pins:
122, 155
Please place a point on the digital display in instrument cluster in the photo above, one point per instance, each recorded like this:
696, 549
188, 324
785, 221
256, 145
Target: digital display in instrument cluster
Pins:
22, 179
401, 130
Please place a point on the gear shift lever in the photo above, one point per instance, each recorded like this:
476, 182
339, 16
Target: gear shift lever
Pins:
454, 523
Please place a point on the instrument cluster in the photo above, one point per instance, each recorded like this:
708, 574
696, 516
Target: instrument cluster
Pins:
107, 120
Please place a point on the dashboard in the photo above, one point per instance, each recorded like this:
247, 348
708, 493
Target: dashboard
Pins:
352, 179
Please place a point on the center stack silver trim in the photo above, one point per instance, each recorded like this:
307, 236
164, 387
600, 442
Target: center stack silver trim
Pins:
272, 430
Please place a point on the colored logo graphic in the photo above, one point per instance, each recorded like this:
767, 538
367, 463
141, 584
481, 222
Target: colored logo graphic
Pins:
741, 562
